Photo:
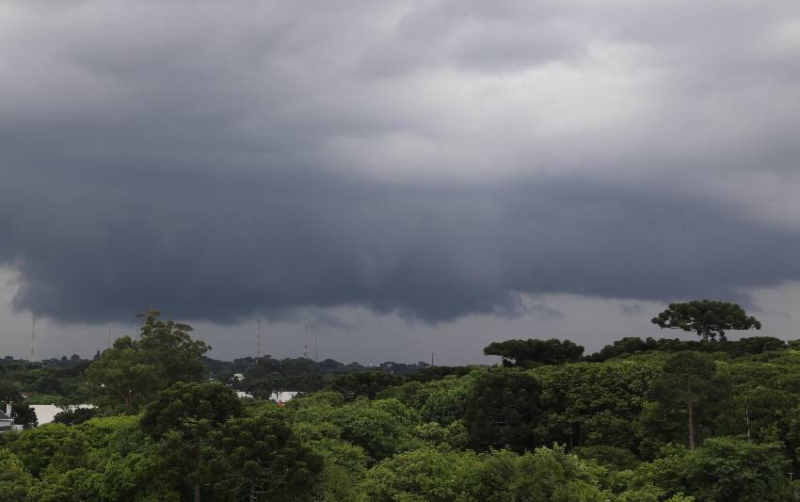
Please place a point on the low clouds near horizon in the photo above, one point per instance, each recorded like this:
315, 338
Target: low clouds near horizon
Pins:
433, 160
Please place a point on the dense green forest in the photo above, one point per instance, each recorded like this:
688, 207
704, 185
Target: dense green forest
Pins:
642, 420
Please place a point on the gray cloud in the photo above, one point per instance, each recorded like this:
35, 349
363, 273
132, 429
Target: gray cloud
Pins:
631, 309
226, 161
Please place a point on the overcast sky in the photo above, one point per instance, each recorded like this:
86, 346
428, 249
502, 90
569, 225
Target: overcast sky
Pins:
404, 177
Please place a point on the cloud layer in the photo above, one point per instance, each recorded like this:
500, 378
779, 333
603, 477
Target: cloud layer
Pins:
432, 159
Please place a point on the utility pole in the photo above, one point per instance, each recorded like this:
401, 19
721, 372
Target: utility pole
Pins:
316, 349
433, 354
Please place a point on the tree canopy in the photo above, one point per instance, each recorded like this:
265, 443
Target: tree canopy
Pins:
134, 371
525, 353
706, 318
640, 421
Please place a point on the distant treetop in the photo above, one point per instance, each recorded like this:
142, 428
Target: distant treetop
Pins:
707, 318
534, 352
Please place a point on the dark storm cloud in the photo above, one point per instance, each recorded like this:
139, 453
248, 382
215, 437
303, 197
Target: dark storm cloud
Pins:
217, 248
221, 161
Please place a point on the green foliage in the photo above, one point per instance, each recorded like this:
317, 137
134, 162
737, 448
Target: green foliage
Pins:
15, 481
594, 404
184, 416
263, 459
546, 475
51, 444
382, 427
532, 352
74, 416
708, 319
735, 348
24, 415
738, 471
48, 382
689, 384
446, 400
728, 469
452, 434
269, 375
192, 409
9, 392
367, 384
610, 457
133, 372
424, 475
502, 410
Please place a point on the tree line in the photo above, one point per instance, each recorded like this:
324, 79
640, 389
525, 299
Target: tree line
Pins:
640, 421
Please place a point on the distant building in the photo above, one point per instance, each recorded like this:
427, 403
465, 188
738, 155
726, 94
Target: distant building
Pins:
277, 397
282, 397
45, 413
6, 422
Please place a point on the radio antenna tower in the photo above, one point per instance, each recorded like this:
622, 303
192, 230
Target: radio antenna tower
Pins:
33, 338
305, 339
258, 349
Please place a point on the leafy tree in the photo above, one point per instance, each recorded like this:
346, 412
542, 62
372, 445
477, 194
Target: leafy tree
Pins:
9, 392
594, 404
546, 475
187, 413
735, 470
738, 348
687, 383
15, 480
124, 375
24, 415
364, 384
383, 427
425, 474
708, 319
526, 353
446, 402
21, 413
132, 467
169, 347
51, 446
609, 457
754, 345
133, 371
502, 409
264, 378
74, 416
264, 460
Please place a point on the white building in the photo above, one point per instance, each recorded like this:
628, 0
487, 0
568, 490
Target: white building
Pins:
6, 422
45, 413
277, 397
